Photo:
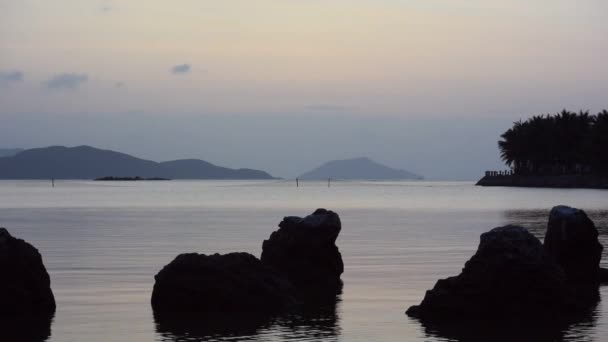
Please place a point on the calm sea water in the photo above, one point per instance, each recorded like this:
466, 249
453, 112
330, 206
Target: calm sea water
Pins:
102, 244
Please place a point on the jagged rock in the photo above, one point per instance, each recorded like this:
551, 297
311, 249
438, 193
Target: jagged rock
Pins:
509, 276
572, 240
305, 251
230, 283
25, 285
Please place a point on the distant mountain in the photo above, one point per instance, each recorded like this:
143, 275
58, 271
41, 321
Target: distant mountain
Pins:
85, 162
9, 152
358, 169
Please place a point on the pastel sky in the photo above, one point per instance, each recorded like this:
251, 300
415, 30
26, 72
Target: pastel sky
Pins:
402, 59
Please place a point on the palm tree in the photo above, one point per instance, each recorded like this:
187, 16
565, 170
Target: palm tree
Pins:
563, 143
599, 143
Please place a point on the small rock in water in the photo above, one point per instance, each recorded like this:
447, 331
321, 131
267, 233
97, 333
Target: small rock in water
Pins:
572, 240
509, 276
300, 265
512, 275
304, 250
25, 285
230, 283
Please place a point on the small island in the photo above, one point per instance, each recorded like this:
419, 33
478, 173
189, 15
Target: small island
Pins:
132, 179
358, 169
565, 150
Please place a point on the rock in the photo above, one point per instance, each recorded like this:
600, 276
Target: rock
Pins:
300, 264
603, 275
25, 285
230, 283
572, 240
509, 276
305, 251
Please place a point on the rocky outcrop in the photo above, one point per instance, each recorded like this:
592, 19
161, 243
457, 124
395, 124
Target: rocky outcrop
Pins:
572, 241
300, 264
512, 275
230, 283
509, 276
305, 251
25, 285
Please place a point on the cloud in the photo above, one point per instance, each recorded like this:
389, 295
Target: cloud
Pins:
11, 76
66, 81
181, 69
106, 6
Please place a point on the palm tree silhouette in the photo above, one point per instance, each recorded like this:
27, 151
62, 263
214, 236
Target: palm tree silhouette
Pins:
564, 143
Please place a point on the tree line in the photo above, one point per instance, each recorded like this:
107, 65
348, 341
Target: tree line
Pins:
563, 143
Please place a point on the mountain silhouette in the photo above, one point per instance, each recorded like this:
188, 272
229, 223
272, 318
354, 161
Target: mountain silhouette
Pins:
357, 169
9, 152
86, 162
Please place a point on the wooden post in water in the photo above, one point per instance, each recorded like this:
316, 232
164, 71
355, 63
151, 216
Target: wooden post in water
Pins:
297, 184
328, 181
53, 182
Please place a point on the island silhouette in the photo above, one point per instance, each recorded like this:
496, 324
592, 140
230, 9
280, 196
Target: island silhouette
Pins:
357, 169
86, 162
9, 152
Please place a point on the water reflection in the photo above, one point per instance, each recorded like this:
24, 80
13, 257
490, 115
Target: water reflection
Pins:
575, 328
26, 329
305, 324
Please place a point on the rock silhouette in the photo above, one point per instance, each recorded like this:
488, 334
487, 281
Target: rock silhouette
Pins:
235, 282
512, 276
572, 240
509, 276
300, 264
25, 285
305, 251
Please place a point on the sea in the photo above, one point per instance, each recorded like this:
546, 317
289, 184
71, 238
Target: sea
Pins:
103, 242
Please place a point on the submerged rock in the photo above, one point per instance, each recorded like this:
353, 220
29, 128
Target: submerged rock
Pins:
509, 276
25, 285
305, 251
230, 283
572, 240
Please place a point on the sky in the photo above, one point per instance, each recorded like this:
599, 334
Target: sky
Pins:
284, 85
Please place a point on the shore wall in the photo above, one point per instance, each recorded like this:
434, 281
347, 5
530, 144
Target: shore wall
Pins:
562, 181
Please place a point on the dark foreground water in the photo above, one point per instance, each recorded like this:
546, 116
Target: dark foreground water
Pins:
102, 243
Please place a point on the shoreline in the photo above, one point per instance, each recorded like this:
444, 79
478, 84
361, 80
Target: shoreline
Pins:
129, 179
559, 182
